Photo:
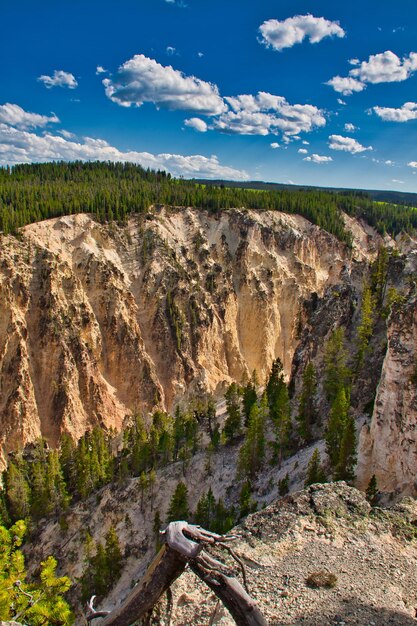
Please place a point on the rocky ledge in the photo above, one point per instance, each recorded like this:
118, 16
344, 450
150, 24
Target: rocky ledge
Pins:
319, 557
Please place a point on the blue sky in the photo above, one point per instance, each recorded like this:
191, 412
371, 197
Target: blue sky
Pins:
310, 92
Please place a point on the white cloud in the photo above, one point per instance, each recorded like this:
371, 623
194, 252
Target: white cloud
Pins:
398, 182
20, 146
66, 134
275, 145
346, 144
286, 33
345, 85
100, 69
266, 114
200, 54
388, 162
302, 151
197, 124
59, 79
305, 143
385, 67
170, 50
412, 164
142, 79
350, 128
407, 112
316, 158
14, 115
342, 102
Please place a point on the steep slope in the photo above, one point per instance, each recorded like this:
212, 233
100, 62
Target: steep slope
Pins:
97, 322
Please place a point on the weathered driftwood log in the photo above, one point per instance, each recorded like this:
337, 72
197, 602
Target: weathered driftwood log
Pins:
183, 544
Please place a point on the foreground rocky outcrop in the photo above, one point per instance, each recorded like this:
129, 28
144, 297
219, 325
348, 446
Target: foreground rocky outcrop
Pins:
372, 554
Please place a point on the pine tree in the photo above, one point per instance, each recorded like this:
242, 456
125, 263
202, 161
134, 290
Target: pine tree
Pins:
21, 600
143, 485
365, 328
335, 426
157, 527
372, 491
114, 557
17, 491
336, 373
379, 276
247, 504
252, 452
315, 473
249, 399
178, 507
206, 510
307, 413
281, 419
345, 469
232, 424
67, 461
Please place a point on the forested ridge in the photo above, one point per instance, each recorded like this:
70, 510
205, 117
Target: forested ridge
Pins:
111, 191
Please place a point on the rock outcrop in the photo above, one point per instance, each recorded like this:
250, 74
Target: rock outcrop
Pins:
318, 557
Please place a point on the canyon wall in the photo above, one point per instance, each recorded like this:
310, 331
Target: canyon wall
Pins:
99, 321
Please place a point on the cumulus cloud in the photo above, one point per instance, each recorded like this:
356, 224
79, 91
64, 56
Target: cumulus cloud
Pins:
347, 144
275, 145
302, 151
412, 164
266, 114
345, 85
197, 124
14, 115
59, 79
350, 128
407, 112
385, 67
317, 158
100, 69
286, 33
141, 79
21, 146
342, 102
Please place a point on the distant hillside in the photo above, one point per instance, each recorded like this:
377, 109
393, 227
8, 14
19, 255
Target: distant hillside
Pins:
393, 197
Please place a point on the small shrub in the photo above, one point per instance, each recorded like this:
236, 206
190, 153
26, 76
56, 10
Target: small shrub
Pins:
321, 579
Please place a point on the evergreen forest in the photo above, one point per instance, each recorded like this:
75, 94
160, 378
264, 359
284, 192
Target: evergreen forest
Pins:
111, 191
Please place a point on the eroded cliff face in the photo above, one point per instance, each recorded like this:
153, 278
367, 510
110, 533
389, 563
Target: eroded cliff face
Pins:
388, 444
98, 321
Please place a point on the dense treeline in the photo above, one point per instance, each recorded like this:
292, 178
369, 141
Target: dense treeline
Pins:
111, 191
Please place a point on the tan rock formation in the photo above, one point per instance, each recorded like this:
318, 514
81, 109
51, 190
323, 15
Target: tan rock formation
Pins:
388, 444
98, 321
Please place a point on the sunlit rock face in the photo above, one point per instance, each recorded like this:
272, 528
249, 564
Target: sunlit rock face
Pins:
100, 321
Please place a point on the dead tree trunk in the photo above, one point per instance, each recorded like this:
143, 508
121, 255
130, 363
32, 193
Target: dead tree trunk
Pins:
184, 544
